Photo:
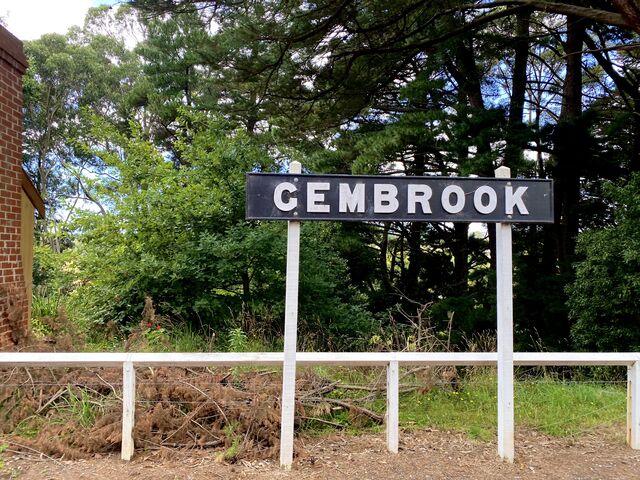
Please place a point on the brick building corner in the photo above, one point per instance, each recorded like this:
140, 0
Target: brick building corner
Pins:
18, 199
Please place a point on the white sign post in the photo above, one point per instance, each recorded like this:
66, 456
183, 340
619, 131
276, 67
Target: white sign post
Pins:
503, 200
290, 338
392, 417
633, 406
128, 409
504, 294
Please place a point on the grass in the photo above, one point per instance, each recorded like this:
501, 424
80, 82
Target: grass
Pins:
3, 448
471, 409
569, 409
81, 407
554, 407
562, 409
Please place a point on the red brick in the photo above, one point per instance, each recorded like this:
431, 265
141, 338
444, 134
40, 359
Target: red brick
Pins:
12, 65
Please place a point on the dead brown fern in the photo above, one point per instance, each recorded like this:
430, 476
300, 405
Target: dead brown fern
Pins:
12, 302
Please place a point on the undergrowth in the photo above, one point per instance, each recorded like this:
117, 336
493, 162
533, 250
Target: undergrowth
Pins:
216, 408
561, 409
76, 413
468, 403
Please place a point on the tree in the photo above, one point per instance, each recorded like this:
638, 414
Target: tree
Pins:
67, 75
604, 299
178, 235
413, 88
408, 87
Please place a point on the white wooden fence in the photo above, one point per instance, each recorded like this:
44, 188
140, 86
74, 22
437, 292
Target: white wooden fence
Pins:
129, 361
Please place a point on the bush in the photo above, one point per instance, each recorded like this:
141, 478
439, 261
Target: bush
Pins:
605, 296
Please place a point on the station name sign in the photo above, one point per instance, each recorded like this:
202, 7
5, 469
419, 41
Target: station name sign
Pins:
398, 198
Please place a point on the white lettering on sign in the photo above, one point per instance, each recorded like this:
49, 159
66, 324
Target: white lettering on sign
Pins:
492, 202
351, 200
514, 199
315, 199
446, 199
278, 197
408, 201
385, 198
418, 193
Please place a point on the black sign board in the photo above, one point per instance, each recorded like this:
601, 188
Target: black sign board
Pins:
398, 198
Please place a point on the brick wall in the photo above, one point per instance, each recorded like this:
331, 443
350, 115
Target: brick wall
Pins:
13, 301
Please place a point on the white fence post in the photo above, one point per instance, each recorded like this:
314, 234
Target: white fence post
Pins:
504, 294
128, 409
633, 405
392, 417
390, 360
290, 338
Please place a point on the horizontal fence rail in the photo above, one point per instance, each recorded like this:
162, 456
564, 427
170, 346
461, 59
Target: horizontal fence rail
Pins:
117, 359
391, 360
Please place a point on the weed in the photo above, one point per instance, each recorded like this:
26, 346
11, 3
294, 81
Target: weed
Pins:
469, 404
29, 427
82, 407
3, 448
4, 471
234, 442
237, 340
185, 339
45, 305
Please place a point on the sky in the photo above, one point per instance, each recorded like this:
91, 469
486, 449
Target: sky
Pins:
29, 19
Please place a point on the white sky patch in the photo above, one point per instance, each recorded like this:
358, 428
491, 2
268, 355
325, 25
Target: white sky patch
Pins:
30, 19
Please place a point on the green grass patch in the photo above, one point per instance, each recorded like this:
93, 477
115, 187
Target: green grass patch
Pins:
569, 408
470, 409
556, 408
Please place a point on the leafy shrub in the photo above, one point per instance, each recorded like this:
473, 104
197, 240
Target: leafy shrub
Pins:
605, 297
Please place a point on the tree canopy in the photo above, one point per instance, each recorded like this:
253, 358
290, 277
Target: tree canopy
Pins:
157, 137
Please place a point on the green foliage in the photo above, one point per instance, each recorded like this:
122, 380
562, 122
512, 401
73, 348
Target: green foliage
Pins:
568, 409
54, 273
237, 341
550, 406
605, 297
554, 407
184, 338
156, 338
164, 240
178, 236
81, 407
68, 75
45, 306
157, 139
470, 410
3, 448
233, 442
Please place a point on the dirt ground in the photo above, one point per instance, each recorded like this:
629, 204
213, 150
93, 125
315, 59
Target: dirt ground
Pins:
423, 454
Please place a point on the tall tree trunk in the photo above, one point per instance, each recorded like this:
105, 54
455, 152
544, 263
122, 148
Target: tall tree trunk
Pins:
567, 171
382, 258
460, 251
411, 276
465, 72
630, 11
628, 86
246, 288
515, 128
634, 162
570, 149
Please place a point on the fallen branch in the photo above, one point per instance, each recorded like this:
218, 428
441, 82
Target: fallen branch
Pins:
55, 396
212, 444
375, 417
321, 420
